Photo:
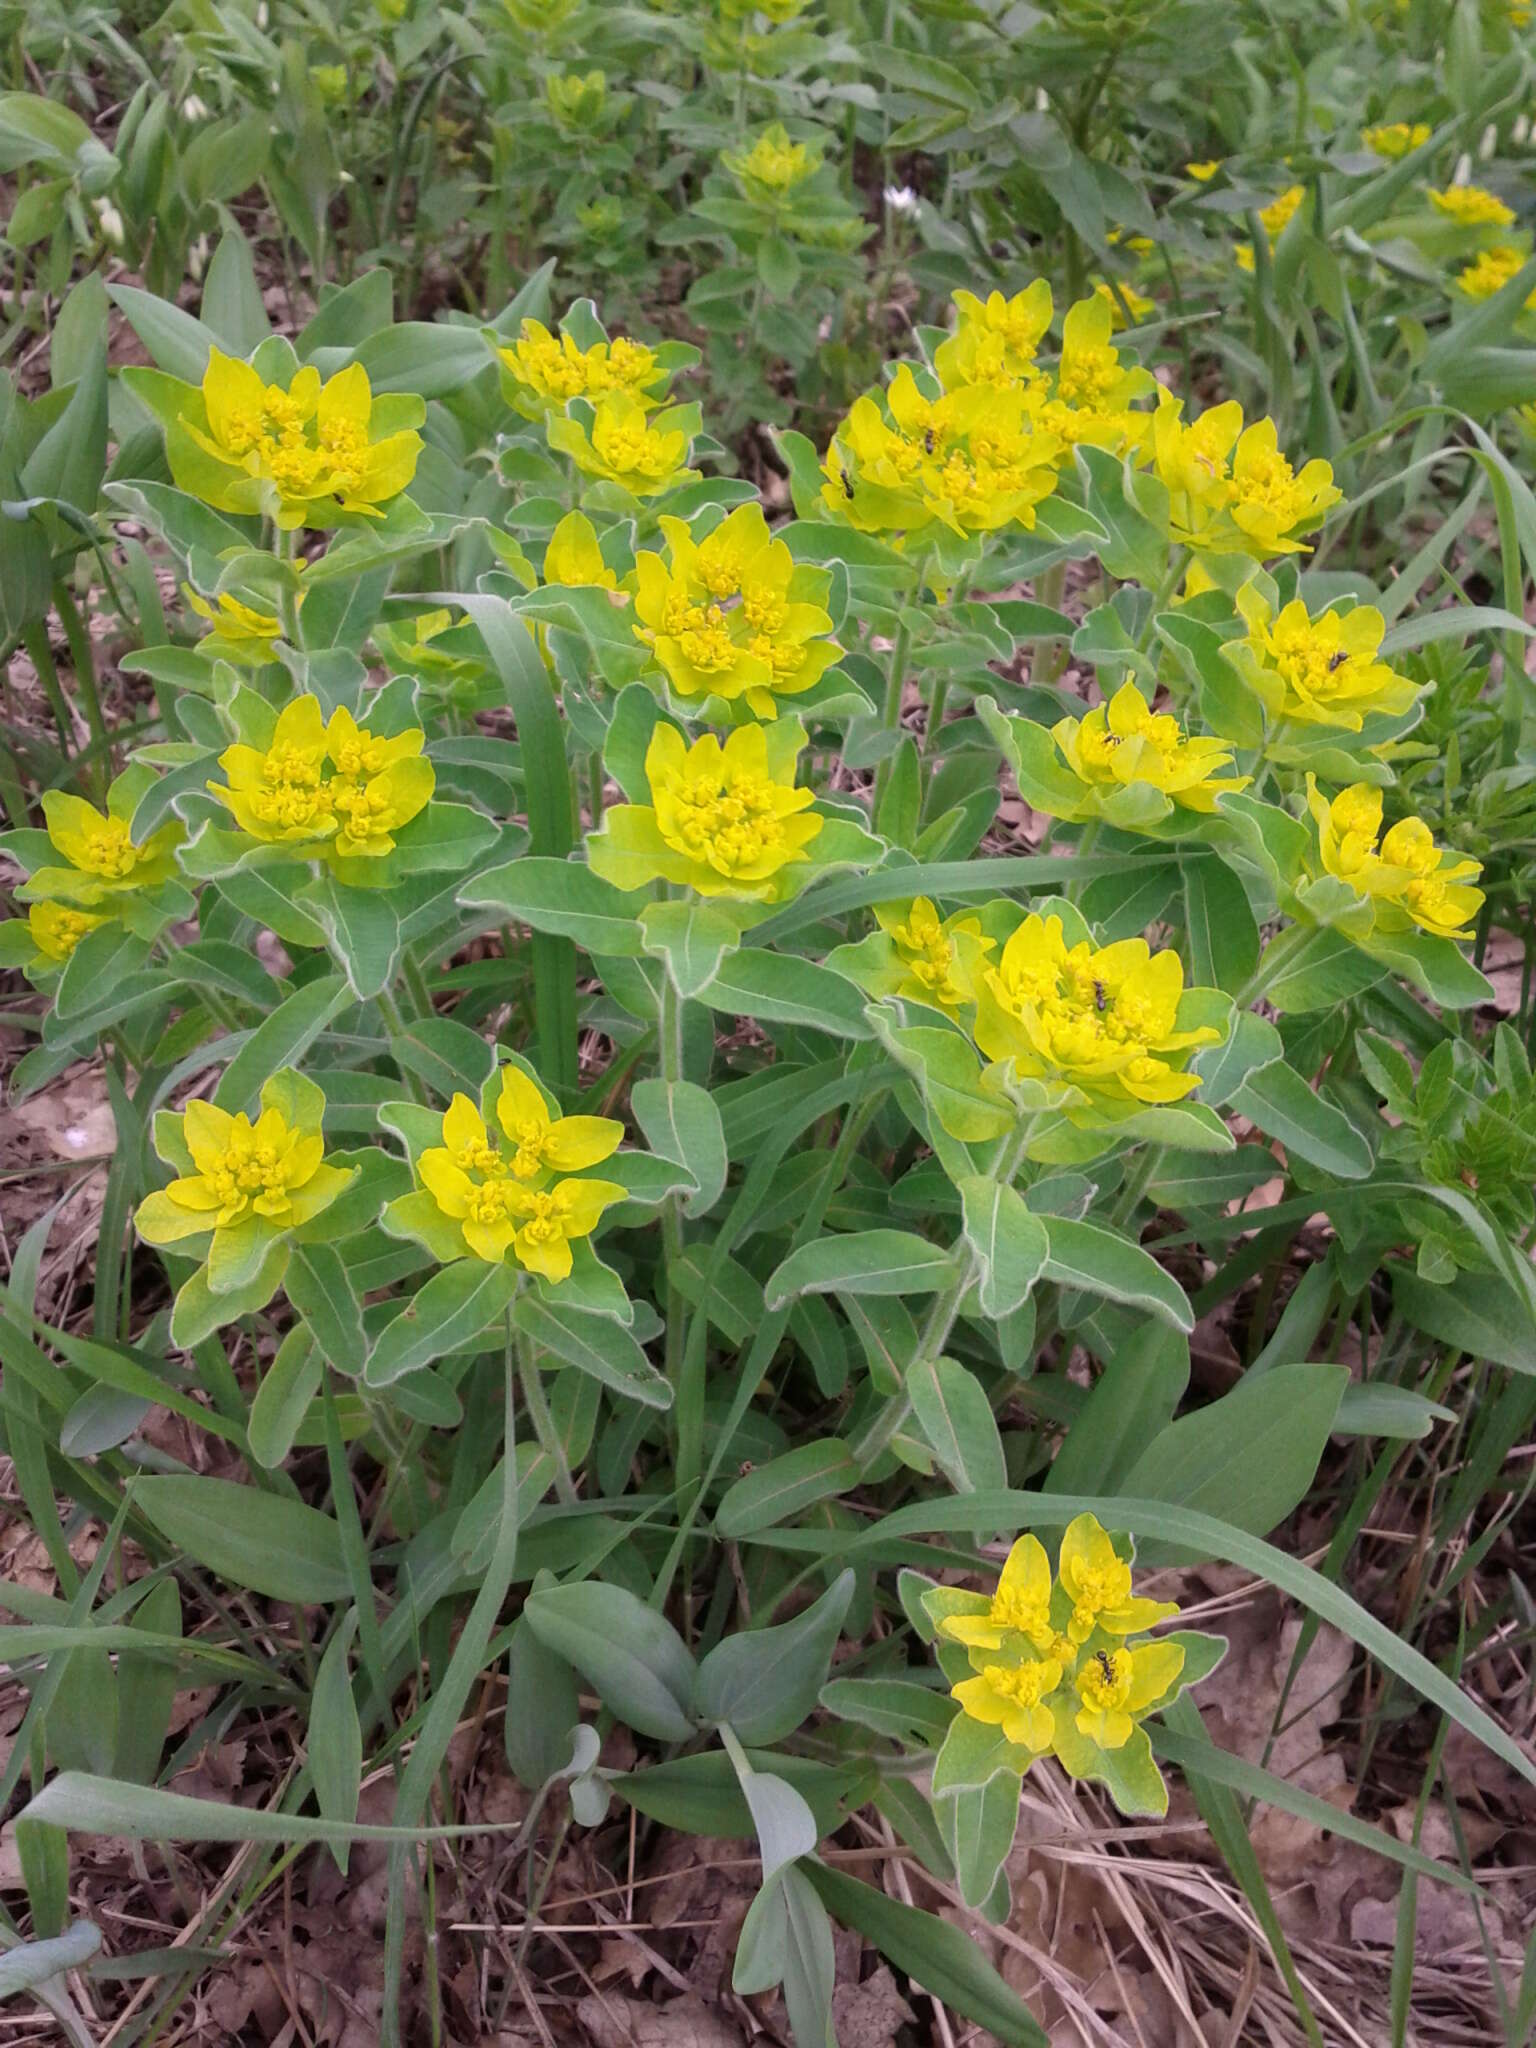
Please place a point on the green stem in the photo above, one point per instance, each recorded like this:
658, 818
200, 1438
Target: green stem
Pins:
879, 1432
35, 640
543, 1421
396, 1025
1276, 956
688, 1424
83, 661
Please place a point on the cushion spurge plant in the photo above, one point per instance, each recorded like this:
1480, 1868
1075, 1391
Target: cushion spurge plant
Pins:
706, 954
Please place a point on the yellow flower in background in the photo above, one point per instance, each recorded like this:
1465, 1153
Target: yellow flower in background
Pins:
972, 460
1491, 269
546, 370
334, 788
242, 633
1125, 742
306, 454
248, 1183
576, 99
643, 456
1103, 1019
1396, 138
773, 165
57, 928
1013, 1697
1117, 1686
936, 958
1127, 295
1230, 488
102, 858
1471, 206
1275, 218
1408, 878
1093, 391
573, 558
1097, 1583
733, 616
1322, 671
996, 339
1204, 171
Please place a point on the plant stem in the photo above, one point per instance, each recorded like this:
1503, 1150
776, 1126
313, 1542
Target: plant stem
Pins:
541, 1418
83, 661
670, 1043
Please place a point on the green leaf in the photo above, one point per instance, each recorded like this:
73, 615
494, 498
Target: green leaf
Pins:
700, 1795
956, 1419
691, 939
1278, 1100
563, 897
335, 1741
146, 1688
317, 1284
1478, 1313
862, 1262
282, 1400
680, 1121
943, 1959
916, 1715
281, 1040
979, 1823
363, 933
593, 1344
634, 1658
784, 1487
1219, 923
764, 1682
1086, 1256
262, 1541
1008, 1239
1133, 1398
781, 988
454, 1307
1250, 1457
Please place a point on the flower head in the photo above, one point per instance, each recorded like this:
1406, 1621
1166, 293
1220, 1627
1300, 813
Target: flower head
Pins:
57, 928
101, 857
573, 558
308, 453
1019, 1605
996, 339
1105, 1020
1117, 299
1097, 1583
493, 1191
972, 460
1471, 206
1396, 138
1125, 742
723, 820
1230, 489
1014, 1697
245, 1184
1490, 270
936, 959
1091, 397
1116, 1686
733, 616
773, 165
1204, 170
334, 788
543, 371
1323, 670
1407, 878
643, 456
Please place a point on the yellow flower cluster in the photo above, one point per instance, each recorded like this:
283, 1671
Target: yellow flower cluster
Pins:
732, 616
1089, 396
1396, 138
1471, 206
723, 820
101, 857
1125, 742
970, 460
547, 370
1491, 269
1407, 878
242, 633
1230, 489
329, 787
1051, 1660
1105, 1020
1274, 220
1324, 670
773, 165
933, 960
306, 453
506, 1192
625, 446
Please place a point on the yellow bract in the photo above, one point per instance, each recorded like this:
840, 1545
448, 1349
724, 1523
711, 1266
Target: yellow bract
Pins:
241, 633
504, 1201
1325, 670
1012, 1697
1093, 391
996, 338
732, 616
576, 98
1230, 489
1103, 1019
547, 370
1274, 219
1205, 170
1470, 206
333, 788
573, 557
1125, 742
57, 928
311, 449
1408, 878
1116, 1686
1117, 297
1097, 1582
773, 164
722, 820
624, 447
1395, 138
937, 959
972, 460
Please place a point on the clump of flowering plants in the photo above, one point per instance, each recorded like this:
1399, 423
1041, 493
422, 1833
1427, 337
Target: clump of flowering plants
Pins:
601, 1080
